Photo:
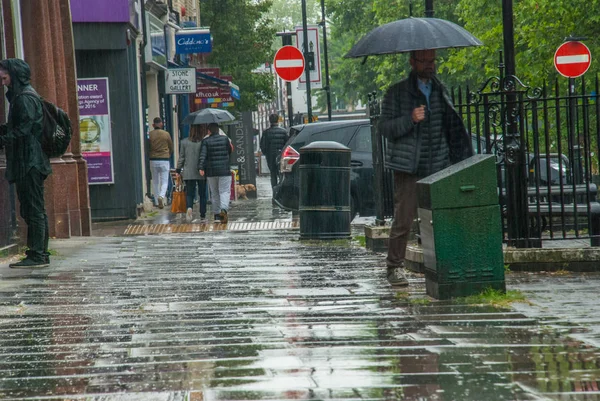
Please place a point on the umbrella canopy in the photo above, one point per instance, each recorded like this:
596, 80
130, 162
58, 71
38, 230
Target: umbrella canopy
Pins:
207, 116
410, 34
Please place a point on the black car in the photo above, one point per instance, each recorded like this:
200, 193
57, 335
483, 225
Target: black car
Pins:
355, 134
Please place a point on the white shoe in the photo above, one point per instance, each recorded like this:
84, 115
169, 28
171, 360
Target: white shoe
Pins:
188, 215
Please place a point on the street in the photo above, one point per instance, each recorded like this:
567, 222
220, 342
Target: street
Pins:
251, 315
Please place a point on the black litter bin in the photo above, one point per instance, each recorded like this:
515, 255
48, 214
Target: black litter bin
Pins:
324, 191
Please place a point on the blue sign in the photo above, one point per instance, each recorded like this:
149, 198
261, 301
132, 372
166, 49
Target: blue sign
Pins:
235, 93
193, 41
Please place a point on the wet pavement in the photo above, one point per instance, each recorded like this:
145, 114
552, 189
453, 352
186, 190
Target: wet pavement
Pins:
256, 315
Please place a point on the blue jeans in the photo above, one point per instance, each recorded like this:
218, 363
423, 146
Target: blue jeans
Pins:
190, 191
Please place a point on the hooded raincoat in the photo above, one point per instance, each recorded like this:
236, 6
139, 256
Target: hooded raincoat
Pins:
23, 130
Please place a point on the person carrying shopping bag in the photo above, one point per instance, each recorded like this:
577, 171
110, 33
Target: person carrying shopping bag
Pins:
187, 166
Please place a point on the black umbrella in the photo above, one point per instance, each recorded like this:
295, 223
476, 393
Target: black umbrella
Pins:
207, 116
410, 34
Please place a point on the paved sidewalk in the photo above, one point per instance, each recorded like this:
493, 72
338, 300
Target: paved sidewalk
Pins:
261, 315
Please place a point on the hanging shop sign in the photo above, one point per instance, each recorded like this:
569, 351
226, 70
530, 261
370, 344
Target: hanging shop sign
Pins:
180, 81
95, 129
190, 41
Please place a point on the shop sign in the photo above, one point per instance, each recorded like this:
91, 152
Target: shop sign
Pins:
95, 129
181, 81
193, 41
99, 11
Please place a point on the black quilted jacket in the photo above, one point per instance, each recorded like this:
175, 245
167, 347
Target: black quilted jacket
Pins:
272, 141
425, 148
214, 156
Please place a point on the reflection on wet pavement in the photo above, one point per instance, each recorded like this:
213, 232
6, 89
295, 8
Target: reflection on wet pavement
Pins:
262, 315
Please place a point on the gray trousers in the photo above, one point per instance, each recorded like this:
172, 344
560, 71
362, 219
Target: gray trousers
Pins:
405, 211
220, 192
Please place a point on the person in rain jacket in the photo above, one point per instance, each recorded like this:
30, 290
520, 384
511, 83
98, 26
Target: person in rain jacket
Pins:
27, 166
272, 142
187, 166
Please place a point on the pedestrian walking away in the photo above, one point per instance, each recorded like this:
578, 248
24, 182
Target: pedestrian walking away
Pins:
161, 149
187, 166
425, 135
214, 165
27, 166
272, 142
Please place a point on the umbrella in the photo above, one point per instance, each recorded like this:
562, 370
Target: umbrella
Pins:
410, 34
207, 116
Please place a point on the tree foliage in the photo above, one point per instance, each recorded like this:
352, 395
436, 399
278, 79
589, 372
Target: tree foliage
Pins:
242, 36
539, 25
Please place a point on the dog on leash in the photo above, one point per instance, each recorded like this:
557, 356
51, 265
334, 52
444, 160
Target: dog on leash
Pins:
243, 190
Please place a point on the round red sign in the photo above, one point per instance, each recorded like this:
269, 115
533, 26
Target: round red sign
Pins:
289, 63
572, 59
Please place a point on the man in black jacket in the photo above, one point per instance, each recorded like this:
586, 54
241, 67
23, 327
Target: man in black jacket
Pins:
214, 165
27, 166
425, 135
271, 144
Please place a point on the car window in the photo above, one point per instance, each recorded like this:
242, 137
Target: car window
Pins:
362, 140
341, 135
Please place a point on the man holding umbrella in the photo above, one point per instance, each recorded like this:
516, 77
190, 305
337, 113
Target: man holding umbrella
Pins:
425, 135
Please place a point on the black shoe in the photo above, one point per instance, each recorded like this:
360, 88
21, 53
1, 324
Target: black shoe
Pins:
396, 277
28, 263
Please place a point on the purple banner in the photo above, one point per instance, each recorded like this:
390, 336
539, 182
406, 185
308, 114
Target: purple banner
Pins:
95, 129
93, 94
100, 11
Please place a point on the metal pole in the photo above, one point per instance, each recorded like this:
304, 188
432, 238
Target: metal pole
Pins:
429, 8
286, 40
306, 57
516, 178
327, 87
574, 148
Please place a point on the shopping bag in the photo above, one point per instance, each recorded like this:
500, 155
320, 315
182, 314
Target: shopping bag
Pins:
178, 204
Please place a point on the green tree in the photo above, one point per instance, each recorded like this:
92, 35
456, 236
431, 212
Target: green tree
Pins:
242, 36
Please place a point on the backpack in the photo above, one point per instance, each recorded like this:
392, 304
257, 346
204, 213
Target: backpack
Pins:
56, 128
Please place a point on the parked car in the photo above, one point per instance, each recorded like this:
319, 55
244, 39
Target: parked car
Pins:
355, 134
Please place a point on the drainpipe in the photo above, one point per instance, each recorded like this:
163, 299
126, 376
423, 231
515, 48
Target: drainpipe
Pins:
145, 101
18, 29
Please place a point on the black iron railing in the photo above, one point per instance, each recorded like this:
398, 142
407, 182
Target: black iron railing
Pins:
558, 140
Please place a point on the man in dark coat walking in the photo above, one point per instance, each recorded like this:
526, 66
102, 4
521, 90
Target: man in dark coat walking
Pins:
425, 135
27, 166
272, 142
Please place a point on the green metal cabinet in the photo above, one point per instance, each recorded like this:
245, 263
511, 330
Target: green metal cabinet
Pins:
461, 229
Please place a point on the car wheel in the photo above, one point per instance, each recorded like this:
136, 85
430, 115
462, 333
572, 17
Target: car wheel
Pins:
353, 207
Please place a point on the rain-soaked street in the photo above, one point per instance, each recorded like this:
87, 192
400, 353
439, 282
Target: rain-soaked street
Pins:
253, 315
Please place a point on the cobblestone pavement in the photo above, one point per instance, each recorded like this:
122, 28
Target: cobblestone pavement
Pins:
261, 315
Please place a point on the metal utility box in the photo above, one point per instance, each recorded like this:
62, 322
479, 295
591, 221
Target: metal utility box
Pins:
461, 229
325, 191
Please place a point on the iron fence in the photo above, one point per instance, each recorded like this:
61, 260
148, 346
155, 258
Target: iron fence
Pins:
555, 153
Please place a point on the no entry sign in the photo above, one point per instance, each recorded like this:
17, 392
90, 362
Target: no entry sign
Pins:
289, 63
572, 59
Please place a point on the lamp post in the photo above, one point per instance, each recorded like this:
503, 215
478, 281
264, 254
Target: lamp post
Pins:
516, 178
306, 57
327, 87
